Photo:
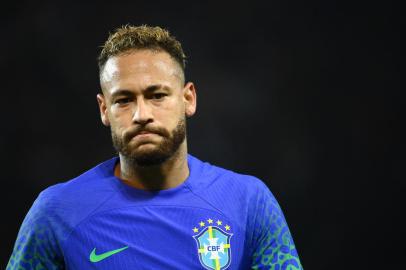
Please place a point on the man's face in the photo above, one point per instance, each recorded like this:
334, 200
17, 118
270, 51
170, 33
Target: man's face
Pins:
145, 103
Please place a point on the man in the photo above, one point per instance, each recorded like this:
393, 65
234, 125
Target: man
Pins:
154, 206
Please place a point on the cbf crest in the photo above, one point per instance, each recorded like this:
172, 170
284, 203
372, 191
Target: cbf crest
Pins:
213, 244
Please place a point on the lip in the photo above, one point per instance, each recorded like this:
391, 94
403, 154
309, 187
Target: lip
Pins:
144, 134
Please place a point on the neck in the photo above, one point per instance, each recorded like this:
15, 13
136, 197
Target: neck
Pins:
169, 174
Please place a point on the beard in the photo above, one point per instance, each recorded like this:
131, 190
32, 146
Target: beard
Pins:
166, 148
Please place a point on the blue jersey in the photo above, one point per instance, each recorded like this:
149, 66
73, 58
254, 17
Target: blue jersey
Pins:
216, 219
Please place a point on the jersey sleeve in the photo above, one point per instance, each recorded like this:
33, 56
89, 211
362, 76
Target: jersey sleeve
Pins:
273, 244
37, 244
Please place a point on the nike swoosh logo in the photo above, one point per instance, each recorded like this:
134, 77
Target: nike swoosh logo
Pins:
97, 258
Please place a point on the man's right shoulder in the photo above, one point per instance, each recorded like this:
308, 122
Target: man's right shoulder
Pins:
77, 197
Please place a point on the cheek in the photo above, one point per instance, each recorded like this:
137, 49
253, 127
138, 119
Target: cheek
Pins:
170, 113
119, 120
177, 105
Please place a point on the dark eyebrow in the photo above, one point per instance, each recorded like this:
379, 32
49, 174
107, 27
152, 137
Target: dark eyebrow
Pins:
155, 87
149, 89
122, 93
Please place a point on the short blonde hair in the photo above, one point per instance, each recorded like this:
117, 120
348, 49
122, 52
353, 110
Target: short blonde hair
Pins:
128, 37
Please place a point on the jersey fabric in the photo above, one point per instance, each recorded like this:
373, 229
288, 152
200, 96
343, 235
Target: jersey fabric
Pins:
216, 219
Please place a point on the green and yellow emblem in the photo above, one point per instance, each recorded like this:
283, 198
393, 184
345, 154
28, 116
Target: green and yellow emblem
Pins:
213, 244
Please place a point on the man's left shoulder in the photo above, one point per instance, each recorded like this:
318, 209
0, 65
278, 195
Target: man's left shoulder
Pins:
233, 181
211, 179
245, 181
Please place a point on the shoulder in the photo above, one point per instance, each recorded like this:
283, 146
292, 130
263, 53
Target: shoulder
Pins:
93, 180
214, 176
248, 189
60, 202
234, 193
53, 216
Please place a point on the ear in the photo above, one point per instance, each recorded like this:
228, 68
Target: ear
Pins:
190, 99
103, 109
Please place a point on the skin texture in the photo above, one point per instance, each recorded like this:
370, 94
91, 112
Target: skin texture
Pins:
156, 102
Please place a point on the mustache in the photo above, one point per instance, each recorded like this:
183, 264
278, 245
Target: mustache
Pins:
151, 129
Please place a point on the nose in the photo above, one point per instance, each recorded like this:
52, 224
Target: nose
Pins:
143, 113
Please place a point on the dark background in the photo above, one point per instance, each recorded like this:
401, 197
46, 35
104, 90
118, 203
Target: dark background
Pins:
304, 95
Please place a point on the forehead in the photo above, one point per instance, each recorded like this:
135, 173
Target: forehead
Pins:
139, 68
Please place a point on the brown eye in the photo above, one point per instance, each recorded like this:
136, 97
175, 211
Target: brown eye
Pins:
158, 96
122, 101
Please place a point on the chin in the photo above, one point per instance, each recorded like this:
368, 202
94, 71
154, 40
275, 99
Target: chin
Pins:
148, 149
150, 159
148, 155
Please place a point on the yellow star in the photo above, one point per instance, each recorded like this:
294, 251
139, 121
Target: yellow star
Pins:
227, 228
195, 229
219, 222
210, 221
201, 223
